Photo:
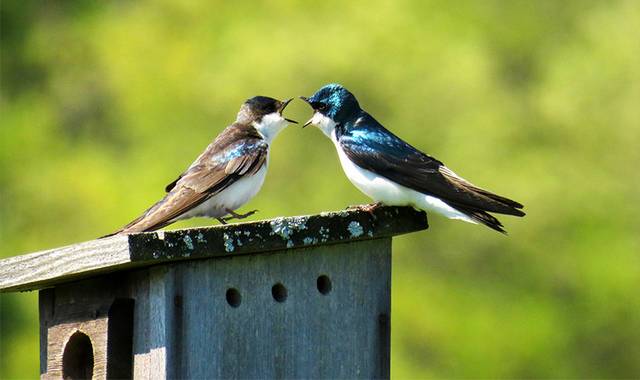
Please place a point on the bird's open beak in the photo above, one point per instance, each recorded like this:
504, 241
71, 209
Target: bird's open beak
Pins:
283, 106
309, 103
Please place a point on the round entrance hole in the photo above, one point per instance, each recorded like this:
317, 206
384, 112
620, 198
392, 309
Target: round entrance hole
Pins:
77, 359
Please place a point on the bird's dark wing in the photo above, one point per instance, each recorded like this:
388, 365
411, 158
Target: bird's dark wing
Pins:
211, 173
370, 146
225, 141
170, 186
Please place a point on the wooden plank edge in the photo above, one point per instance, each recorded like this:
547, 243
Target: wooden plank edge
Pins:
36, 270
276, 234
46, 268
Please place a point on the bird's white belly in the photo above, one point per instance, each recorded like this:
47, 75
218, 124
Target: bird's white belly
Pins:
231, 198
381, 189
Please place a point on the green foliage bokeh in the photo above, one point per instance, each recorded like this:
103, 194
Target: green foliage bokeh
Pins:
104, 103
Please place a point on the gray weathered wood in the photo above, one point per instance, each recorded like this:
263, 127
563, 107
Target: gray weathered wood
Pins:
343, 334
155, 305
86, 307
48, 268
184, 327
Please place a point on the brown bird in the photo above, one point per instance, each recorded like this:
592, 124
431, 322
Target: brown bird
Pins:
226, 175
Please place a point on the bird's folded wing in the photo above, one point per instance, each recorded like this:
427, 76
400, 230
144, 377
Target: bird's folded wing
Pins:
385, 154
222, 170
235, 139
203, 180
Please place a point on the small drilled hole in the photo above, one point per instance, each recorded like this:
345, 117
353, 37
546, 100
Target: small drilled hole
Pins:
279, 292
324, 284
233, 297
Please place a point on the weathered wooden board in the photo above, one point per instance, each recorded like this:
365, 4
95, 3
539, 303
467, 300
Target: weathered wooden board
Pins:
341, 334
285, 323
43, 269
86, 329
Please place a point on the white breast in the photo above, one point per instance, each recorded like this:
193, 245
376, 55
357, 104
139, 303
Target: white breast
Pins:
270, 126
233, 197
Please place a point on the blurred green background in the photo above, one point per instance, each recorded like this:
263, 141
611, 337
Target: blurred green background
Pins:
104, 103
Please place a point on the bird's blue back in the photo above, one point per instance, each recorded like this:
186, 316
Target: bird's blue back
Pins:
365, 135
237, 149
356, 130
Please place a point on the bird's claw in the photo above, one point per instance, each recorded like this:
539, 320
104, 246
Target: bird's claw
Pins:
234, 215
240, 216
370, 208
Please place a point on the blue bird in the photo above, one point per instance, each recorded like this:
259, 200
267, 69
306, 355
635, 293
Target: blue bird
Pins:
394, 173
226, 175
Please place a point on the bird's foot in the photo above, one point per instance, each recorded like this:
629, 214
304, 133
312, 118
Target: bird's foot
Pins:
235, 215
241, 216
370, 208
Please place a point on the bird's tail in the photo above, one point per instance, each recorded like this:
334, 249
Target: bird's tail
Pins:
511, 207
126, 229
483, 217
135, 227
140, 224
496, 204
474, 198
479, 215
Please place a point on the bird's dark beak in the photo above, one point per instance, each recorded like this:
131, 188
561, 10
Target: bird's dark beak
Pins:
283, 106
306, 99
309, 103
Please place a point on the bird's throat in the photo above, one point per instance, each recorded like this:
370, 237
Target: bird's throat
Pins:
270, 126
324, 123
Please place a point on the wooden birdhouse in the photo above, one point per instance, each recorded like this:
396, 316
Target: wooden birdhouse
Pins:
295, 297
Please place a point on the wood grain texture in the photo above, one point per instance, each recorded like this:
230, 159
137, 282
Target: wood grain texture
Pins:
59, 336
44, 269
86, 307
184, 326
341, 334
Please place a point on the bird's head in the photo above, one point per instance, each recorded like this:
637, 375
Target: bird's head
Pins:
265, 115
332, 104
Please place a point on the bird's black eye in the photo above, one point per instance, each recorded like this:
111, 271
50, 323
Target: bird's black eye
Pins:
321, 106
